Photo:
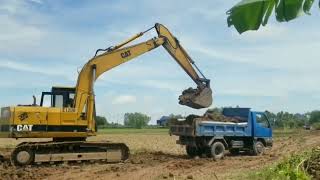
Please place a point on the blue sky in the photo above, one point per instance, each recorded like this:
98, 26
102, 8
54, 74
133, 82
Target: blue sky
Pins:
45, 43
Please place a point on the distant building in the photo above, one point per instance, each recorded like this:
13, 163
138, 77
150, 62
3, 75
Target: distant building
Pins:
163, 121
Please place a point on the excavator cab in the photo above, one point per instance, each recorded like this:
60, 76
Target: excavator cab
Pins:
58, 97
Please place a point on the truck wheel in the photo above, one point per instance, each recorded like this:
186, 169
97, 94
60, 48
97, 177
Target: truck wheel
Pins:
234, 151
191, 151
258, 148
22, 156
217, 150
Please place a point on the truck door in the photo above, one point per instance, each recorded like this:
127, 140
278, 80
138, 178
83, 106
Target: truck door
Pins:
262, 127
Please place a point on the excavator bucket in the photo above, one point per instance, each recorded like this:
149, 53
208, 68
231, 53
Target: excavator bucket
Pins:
196, 98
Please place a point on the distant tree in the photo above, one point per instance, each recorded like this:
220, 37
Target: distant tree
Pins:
136, 120
101, 121
272, 117
314, 117
286, 119
301, 119
316, 126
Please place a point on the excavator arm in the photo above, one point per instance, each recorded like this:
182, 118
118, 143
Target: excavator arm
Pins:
194, 98
116, 55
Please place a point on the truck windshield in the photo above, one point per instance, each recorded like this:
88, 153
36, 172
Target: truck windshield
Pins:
262, 120
238, 113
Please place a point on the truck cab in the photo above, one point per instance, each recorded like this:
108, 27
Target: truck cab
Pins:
253, 134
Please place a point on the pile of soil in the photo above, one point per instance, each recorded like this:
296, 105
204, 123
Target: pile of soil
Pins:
312, 165
7, 171
217, 116
208, 116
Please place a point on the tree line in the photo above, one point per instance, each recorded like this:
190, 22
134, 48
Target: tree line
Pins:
282, 119
131, 120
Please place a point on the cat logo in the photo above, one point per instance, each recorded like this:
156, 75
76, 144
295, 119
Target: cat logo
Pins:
23, 116
24, 128
126, 54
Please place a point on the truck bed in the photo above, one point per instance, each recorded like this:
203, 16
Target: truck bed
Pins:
211, 128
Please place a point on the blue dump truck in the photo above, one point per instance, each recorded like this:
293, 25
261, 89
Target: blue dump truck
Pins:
212, 138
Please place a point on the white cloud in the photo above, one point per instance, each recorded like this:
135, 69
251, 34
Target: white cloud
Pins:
37, 1
219, 53
10, 6
161, 84
291, 56
208, 13
124, 99
269, 32
44, 70
16, 36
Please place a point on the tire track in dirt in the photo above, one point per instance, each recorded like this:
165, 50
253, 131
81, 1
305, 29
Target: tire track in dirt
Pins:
163, 165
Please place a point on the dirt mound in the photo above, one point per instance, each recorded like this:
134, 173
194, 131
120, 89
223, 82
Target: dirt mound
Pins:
7, 171
208, 116
188, 164
167, 161
217, 116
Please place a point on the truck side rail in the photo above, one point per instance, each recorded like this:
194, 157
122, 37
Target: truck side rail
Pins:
182, 130
209, 128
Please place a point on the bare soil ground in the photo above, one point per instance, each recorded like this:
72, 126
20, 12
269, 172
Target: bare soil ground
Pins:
156, 156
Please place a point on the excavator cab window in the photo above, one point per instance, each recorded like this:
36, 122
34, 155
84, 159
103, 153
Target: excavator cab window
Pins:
58, 97
46, 99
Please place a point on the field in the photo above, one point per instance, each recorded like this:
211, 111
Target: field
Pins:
154, 155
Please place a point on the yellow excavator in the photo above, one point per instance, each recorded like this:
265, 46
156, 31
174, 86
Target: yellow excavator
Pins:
69, 117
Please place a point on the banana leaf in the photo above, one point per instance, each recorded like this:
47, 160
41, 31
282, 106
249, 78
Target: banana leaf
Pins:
251, 14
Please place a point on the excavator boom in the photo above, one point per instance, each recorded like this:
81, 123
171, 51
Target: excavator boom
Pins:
201, 97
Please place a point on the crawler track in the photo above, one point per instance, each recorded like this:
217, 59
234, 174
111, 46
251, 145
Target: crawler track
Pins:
41, 152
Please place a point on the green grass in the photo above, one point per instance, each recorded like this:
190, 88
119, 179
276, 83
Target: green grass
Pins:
287, 132
291, 168
303, 166
316, 126
133, 131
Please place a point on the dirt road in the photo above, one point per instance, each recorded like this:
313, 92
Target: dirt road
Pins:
156, 156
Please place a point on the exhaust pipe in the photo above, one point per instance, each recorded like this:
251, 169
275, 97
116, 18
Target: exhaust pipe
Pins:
34, 100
